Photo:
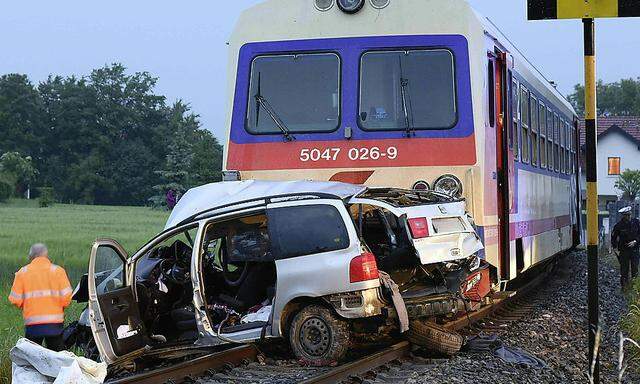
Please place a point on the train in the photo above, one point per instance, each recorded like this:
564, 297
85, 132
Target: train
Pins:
413, 94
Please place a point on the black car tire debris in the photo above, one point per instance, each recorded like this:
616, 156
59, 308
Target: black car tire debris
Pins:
328, 337
434, 337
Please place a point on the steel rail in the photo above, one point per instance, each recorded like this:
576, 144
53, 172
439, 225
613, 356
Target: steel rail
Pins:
189, 370
499, 303
363, 365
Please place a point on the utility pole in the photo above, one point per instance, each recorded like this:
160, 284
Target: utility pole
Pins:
591, 133
588, 10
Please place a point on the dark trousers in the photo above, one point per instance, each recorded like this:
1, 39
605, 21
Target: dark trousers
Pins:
629, 259
54, 343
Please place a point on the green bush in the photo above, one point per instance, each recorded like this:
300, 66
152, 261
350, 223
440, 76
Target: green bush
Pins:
6, 190
46, 197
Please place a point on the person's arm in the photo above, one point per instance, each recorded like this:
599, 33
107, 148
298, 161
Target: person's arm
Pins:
16, 296
64, 286
614, 237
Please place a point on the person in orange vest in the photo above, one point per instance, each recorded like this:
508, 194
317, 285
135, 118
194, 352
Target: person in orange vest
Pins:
42, 291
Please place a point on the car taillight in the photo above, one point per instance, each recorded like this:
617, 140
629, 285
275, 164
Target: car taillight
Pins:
419, 227
363, 268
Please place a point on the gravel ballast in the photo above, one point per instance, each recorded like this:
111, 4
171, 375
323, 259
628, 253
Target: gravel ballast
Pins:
555, 331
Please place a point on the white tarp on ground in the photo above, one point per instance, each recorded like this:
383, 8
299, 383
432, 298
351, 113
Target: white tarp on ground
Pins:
34, 364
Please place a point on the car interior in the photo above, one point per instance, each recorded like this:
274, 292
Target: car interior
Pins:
239, 273
385, 235
239, 279
387, 238
165, 291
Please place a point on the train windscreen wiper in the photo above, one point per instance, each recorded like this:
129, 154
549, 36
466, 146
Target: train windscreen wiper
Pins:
264, 103
404, 84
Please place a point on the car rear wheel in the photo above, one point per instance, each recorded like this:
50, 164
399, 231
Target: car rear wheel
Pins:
318, 337
434, 337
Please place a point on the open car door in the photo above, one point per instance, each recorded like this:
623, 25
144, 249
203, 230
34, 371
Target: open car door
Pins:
113, 311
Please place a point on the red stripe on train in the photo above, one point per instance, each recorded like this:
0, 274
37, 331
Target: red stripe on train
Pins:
408, 152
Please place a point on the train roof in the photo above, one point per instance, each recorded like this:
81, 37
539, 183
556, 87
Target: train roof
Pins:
281, 20
524, 66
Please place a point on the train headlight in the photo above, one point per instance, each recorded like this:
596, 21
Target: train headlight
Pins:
350, 6
324, 5
421, 186
448, 184
379, 4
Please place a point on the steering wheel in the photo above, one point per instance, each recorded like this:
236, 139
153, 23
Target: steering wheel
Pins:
173, 272
235, 278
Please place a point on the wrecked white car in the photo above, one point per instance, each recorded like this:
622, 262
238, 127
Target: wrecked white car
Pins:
245, 261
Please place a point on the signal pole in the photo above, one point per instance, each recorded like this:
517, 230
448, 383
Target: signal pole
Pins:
588, 10
591, 133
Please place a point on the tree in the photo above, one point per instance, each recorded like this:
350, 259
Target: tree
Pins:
21, 115
207, 158
176, 175
629, 184
107, 138
620, 98
16, 171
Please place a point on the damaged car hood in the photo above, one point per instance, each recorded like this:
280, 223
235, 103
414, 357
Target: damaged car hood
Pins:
452, 236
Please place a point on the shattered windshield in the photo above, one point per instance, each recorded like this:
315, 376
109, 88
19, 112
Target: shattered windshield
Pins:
405, 198
412, 90
294, 93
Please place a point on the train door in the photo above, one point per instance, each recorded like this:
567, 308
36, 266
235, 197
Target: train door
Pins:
502, 161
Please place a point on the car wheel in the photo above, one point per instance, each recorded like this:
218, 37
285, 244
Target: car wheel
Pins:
434, 337
318, 337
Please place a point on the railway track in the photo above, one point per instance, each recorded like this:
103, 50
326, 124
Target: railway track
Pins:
393, 364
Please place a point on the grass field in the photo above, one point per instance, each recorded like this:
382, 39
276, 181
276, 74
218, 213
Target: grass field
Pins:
68, 231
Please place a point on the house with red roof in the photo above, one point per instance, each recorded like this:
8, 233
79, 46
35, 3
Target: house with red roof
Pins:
618, 150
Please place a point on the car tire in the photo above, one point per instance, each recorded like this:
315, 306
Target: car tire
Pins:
318, 337
434, 337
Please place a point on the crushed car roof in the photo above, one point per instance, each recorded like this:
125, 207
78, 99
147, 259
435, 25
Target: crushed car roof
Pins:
217, 195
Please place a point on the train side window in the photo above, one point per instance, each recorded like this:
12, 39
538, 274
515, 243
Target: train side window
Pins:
574, 147
550, 139
568, 148
562, 145
492, 93
515, 111
535, 129
563, 142
543, 135
524, 123
556, 142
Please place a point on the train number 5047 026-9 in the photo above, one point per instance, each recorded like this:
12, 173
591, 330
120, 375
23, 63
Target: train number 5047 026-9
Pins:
354, 154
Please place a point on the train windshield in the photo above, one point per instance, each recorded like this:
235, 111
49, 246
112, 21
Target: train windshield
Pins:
402, 90
298, 92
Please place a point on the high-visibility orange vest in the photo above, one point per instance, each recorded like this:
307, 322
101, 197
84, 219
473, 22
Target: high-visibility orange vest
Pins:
42, 290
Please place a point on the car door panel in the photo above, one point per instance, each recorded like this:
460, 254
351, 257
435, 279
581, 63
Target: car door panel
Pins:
113, 311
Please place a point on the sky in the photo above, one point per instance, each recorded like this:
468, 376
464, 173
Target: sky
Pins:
184, 44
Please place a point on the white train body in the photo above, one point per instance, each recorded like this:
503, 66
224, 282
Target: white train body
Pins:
356, 116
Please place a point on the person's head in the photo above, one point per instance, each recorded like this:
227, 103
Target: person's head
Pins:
626, 216
38, 250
